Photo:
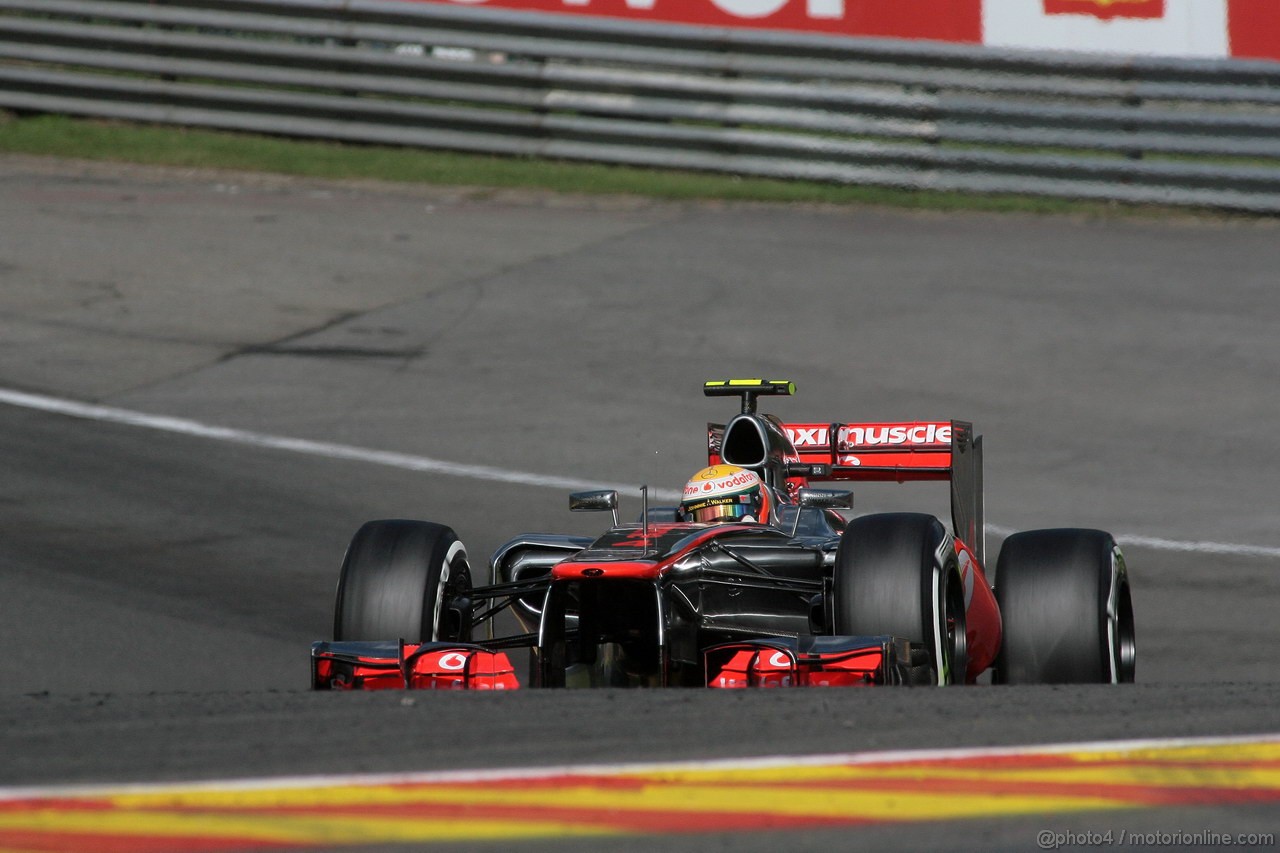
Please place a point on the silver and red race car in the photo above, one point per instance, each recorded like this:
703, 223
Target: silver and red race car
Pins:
801, 598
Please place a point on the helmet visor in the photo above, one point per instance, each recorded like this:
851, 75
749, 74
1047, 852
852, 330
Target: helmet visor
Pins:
712, 510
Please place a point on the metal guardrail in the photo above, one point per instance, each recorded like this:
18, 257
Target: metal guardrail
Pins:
885, 113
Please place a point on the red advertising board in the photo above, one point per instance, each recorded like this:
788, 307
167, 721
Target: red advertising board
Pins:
1253, 27
940, 20
1164, 27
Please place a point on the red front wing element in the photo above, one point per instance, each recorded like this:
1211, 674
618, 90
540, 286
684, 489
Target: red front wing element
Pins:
809, 662
414, 666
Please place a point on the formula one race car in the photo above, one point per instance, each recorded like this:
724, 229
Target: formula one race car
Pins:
756, 579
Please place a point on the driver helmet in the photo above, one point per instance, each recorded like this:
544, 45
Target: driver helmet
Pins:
725, 493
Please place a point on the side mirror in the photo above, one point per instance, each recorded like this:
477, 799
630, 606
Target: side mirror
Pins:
825, 499
604, 500
820, 499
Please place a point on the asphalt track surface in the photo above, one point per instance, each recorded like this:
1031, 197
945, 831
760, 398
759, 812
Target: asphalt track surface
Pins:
159, 587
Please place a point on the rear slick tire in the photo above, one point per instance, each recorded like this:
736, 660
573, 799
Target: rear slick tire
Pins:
1066, 609
397, 580
897, 574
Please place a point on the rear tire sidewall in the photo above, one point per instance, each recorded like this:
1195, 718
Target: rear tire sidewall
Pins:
896, 574
1066, 609
396, 578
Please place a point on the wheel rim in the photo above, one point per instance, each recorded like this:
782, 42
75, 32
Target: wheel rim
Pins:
956, 646
1122, 647
1126, 645
455, 578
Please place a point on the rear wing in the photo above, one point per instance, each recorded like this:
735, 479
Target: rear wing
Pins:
904, 452
897, 452
883, 452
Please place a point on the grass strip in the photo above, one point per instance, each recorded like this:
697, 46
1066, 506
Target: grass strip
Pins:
92, 139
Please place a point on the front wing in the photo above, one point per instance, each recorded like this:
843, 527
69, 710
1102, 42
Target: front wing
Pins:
397, 665
809, 661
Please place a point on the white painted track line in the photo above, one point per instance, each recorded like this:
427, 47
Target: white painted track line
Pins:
327, 450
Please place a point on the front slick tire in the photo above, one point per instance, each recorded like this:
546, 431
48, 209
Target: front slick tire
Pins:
397, 581
896, 574
1066, 609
